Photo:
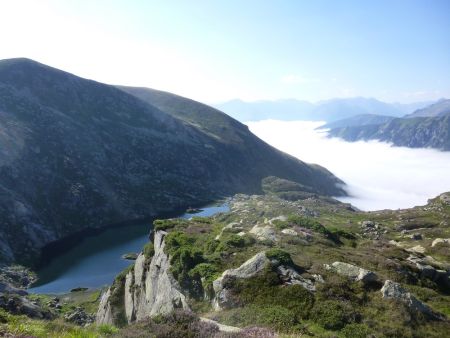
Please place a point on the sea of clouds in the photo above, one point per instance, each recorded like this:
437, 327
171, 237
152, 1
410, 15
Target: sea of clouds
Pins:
378, 176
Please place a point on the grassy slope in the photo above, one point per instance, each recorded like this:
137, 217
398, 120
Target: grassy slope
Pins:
338, 307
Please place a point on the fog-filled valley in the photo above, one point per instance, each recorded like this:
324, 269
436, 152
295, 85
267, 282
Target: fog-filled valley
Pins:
378, 175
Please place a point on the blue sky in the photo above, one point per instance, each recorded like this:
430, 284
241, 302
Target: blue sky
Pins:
212, 51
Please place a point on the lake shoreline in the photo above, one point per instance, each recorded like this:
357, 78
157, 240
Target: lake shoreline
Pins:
63, 263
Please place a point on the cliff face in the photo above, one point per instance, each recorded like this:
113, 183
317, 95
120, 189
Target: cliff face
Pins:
148, 289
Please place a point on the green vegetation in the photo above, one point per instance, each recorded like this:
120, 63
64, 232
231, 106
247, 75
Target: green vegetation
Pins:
166, 224
148, 250
22, 326
279, 255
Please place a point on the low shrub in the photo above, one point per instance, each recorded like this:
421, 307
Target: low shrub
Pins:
177, 324
149, 250
355, 330
166, 224
332, 315
281, 256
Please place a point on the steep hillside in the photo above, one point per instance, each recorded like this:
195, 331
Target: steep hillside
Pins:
419, 132
358, 120
440, 108
77, 154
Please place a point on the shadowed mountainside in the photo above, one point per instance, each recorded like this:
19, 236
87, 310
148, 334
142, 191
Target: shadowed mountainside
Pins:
77, 154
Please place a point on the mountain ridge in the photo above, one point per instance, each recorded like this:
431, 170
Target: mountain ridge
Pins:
79, 154
327, 110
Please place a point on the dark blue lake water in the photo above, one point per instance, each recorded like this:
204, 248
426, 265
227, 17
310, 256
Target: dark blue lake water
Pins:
97, 259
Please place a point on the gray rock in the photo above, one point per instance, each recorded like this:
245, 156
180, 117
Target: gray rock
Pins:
289, 232
20, 305
291, 277
7, 288
264, 232
104, 312
247, 270
440, 241
251, 268
79, 317
392, 290
353, 272
149, 289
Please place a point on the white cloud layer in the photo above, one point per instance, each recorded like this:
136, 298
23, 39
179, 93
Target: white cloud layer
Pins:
378, 176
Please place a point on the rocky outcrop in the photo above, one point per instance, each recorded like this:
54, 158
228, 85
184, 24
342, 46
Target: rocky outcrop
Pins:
7, 288
148, 289
392, 290
264, 232
20, 305
353, 272
79, 317
255, 265
372, 230
431, 269
104, 312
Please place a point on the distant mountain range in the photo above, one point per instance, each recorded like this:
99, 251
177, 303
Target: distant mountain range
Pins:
428, 127
358, 120
76, 154
329, 111
440, 108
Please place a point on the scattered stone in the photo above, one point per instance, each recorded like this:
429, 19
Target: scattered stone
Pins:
291, 277
440, 241
392, 290
289, 232
440, 276
372, 230
17, 276
367, 224
79, 317
19, 305
353, 272
416, 249
279, 218
233, 227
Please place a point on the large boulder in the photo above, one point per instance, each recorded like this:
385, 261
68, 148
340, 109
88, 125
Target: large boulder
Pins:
353, 272
20, 305
441, 241
393, 290
286, 272
264, 232
247, 270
